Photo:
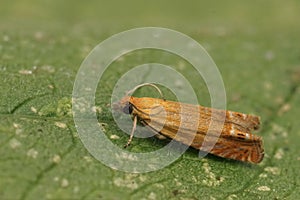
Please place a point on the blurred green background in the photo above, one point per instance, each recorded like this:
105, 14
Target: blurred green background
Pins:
255, 44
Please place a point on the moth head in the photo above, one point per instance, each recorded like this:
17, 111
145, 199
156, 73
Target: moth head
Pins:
123, 105
127, 109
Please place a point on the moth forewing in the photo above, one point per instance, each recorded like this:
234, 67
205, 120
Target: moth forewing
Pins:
222, 133
250, 151
170, 120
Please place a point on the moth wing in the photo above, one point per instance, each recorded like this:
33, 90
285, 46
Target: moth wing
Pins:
244, 151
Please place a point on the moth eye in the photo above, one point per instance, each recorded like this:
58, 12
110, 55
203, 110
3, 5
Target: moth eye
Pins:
128, 109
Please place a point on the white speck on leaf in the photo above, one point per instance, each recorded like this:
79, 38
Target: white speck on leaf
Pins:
279, 154
178, 183
152, 196
263, 175
126, 182
33, 109
272, 170
114, 137
18, 128
126, 156
88, 89
25, 72
6, 38
15, 125
38, 35
97, 109
285, 108
14, 143
264, 188
19, 131
211, 179
142, 178
284, 134
32, 153
61, 125
80, 104
102, 126
88, 158
76, 189
64, 183
232, 197
56, 179
56, 159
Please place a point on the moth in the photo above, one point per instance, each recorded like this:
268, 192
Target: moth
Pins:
234, 140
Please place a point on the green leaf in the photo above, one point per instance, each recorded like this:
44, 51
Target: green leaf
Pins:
42, 44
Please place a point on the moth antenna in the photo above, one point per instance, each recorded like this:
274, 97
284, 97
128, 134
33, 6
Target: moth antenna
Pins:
146, 84
132, 132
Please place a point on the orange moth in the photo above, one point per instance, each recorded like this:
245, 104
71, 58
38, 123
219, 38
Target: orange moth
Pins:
234, 142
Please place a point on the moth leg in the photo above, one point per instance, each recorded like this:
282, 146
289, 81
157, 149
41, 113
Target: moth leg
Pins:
156, 134
132, 132
160, 136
